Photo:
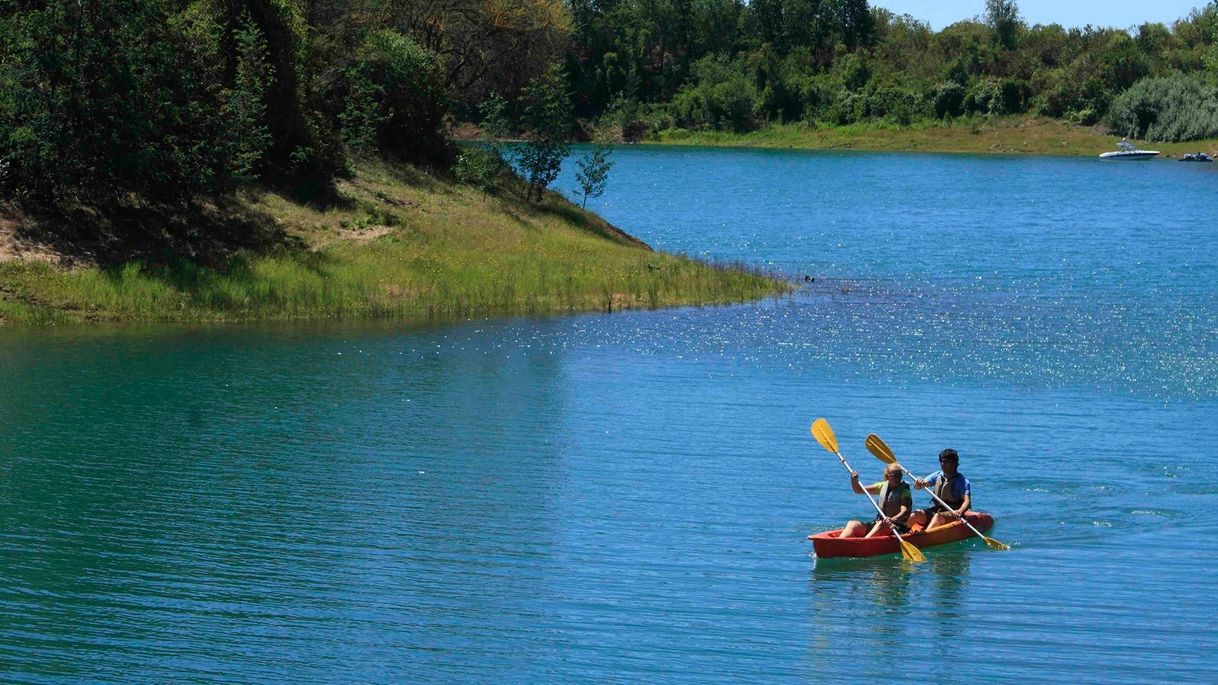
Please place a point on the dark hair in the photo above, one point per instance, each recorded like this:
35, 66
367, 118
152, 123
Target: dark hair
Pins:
950, 455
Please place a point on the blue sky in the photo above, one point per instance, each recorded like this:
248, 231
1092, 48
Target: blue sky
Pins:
1069, 13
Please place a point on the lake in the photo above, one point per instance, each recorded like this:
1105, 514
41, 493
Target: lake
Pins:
625, 498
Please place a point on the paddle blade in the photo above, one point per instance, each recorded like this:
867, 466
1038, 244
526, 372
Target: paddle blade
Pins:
879, 449
994, 544
824, 435
911, 553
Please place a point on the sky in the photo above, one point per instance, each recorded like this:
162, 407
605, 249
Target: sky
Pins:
1120, 14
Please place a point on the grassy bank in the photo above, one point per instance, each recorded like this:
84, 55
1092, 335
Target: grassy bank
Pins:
397, 244
996, 135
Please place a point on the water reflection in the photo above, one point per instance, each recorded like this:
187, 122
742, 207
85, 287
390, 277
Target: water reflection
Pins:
886, 602
884, 579
949, 571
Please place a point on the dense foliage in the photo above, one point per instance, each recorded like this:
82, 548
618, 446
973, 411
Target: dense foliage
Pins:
730, 65
1171, 108
137, 102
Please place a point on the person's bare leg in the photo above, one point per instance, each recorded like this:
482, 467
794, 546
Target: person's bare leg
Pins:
880, 528
853, 529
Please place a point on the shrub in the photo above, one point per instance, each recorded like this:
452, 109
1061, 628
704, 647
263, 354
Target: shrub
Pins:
479, 167
1173, 108
408, 81
722, 97
893, 103
949, 99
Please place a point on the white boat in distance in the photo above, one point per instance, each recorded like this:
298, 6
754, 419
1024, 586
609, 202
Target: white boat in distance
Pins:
1128, 151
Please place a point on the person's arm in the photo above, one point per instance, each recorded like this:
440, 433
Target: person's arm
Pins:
929, 482
858, 488
968, 502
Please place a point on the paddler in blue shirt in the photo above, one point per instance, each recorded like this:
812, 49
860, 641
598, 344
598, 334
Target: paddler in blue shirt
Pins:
896, 499
951, 486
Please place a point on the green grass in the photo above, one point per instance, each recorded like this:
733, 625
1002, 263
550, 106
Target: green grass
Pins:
400, 245
997, 135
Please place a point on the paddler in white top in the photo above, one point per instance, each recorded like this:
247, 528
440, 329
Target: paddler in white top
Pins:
896, 499
951, 486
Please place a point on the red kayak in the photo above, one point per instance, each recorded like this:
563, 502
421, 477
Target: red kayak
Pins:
828, 544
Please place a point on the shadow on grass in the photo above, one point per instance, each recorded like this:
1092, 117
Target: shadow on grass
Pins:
412, 176
318, 192
558, 205
209, 282
207, 233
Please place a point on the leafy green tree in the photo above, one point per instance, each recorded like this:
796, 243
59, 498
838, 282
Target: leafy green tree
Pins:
1002, 16
101, 103
723, 97
246, 136
496, 125
593, 174
855, 23
297, 141
362, 116
407, 80
545, 121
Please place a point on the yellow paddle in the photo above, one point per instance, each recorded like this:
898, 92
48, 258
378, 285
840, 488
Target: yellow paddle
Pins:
824, 435
882, 452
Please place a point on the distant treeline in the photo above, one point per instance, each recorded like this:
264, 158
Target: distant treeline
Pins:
129, 101
646, 65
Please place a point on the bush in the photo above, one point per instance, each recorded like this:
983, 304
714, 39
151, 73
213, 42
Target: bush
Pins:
407, 83
997, 96
722, 97
820, 98
893, 103
479, 167
984, 96
949, 99
848, 108
1172, 108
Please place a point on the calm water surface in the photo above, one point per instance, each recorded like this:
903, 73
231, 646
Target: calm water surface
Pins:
625, 498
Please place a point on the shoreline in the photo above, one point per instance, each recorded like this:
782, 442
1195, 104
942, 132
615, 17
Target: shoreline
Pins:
400, 245
1014, 135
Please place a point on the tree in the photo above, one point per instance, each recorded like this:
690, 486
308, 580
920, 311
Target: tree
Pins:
855, 21
103, 103
1002, 16
593, 173
246, 136
484, 46
295, 144
546, 123
405, 81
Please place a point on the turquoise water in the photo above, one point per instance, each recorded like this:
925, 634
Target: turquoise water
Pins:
625, 498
